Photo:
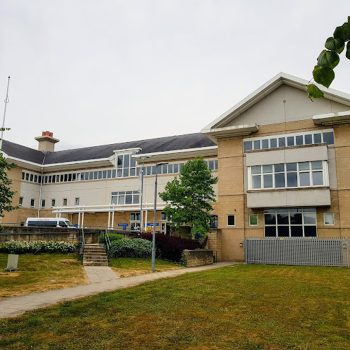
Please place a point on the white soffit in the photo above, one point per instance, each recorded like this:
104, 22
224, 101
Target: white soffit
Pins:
266, 89
336, 118
231, 131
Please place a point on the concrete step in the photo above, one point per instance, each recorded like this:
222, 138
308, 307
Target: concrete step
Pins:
95, 255
95, 263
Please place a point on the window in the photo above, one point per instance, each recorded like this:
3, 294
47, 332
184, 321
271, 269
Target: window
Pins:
76, 201
125, 197
289, 175
163, 216
64, 202
135, 221
43, 203
289, 140
328, 218
20, 201
126, 165
32, 202
253, 220
53, 202
290, 222
214, 222
230, 220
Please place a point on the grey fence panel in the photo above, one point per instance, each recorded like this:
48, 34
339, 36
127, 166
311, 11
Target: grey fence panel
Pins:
298, 251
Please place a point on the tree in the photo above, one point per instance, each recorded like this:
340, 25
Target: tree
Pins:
328, 59
6, 194
189, 197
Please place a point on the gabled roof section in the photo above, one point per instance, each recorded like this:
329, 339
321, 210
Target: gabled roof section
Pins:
266, 89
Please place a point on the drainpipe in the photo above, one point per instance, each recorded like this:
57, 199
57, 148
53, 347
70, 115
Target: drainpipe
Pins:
41, 184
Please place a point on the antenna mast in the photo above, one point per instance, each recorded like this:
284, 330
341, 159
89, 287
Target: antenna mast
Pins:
6, 101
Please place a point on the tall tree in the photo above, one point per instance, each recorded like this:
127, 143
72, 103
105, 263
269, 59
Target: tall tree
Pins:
328, 59
6, 194
189, 197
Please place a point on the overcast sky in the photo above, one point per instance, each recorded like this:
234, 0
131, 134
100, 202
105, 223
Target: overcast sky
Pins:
98, 72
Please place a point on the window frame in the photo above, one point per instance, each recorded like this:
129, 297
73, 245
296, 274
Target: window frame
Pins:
234, 220
257, 220
324, 218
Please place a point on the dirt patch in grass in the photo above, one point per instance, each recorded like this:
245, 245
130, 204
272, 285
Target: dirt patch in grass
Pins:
39, 273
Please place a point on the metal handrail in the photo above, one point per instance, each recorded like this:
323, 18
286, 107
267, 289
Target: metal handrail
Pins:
82, 241
107, 239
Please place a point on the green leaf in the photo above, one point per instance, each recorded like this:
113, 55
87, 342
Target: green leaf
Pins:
323, 75
313, 91
328, 59
342, 32
334, 44
348, 50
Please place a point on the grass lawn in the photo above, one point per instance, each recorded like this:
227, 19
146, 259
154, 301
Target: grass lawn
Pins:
136, 266
247, 307
39, 273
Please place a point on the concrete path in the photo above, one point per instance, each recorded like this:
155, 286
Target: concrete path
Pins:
15, 306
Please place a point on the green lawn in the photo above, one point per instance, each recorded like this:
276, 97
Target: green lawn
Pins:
136, 266
248, 307
39, 273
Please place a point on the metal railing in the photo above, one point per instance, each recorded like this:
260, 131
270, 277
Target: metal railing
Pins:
107, 240
298, 251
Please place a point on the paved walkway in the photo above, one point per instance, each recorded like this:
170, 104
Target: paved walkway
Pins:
100, 274
14, 306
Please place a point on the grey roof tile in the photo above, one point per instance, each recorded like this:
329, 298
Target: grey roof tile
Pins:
162, 144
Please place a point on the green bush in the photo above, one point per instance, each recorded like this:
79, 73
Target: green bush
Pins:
130, 248
112, 237
22, 247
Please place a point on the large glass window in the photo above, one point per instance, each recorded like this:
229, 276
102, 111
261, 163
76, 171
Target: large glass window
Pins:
290, 222
125, 197
289, 175
290, 140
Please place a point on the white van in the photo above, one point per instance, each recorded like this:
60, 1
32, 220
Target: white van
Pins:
48, 222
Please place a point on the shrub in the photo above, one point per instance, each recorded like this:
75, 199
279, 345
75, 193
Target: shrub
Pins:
130, 248
170, 247
112, 237
22, 247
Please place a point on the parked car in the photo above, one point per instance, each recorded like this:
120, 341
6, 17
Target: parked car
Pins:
48, 222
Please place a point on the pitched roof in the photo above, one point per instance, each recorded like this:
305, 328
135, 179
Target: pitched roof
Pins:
162, 144
267, 88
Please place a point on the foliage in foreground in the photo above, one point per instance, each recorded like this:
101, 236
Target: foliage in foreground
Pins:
189, 197
23, 247
6, 194
171, 247
130, 248
328, 59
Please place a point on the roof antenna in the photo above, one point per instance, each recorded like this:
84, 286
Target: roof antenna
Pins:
6, 101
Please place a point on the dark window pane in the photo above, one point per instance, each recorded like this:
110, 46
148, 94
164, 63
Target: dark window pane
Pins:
310, 218
273, 143
283, 231
304, 179
292, 167
282, 218
256, 169
317, 138
328, 138
317, 178
270, 219
281, 142
296, 218
304, 166
308, 139
292, 179
247, 146
267, 169
270, 231
316, 165
296, 231
310, 231
267, 181
132, 171
126, 160
265, 143
290, 141
279, 180
257, 181
279, 168
299, 140
257, 144
230, 220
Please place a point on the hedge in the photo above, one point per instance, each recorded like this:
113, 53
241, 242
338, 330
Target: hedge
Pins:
22, 247
130, 248
171, 247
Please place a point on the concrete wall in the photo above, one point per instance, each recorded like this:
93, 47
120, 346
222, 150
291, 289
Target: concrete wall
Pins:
198, 257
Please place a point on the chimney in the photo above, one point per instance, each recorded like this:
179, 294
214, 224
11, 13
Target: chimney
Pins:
46, 141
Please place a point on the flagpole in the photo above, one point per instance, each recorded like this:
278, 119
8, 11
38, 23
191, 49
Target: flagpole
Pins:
5, 108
